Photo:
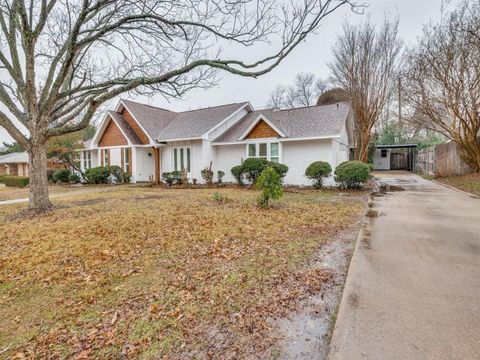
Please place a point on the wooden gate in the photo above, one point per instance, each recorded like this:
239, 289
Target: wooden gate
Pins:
397, 161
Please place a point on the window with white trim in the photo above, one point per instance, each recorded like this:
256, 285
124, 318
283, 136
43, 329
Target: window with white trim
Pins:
182, 158
87, 159
126, 160
264, 150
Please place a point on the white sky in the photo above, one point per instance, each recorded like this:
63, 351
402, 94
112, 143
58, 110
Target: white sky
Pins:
311, 56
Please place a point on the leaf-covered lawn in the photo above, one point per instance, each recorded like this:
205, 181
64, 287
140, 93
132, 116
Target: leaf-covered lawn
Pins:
10, 193
151, 272
469, 183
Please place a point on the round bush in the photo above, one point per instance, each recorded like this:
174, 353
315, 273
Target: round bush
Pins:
251, 169
61, 175
371, 167
352, 174
318, 170
98, 175
74, 178
237, 174
280, 169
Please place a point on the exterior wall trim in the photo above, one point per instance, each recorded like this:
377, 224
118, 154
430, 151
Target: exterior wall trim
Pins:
278, 139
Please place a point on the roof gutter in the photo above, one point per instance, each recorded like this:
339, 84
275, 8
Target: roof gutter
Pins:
281, 140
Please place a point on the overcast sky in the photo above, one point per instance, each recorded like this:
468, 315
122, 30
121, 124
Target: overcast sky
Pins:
311, 56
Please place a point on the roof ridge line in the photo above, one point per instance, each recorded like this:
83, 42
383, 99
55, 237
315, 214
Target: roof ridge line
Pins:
212, 107
152, 106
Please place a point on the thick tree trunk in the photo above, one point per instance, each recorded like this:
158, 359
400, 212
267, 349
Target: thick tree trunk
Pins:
39, 201
471, 153
363, 144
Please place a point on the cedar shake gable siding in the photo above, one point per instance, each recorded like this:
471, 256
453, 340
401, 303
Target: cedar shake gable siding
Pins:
262, 130
112, 136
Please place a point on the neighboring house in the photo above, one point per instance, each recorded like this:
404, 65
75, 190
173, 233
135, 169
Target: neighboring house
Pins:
17, 164
14, 164
147, 141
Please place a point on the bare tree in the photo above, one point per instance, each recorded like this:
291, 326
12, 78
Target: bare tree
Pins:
366, 62
304, 92
60, 60
443, 79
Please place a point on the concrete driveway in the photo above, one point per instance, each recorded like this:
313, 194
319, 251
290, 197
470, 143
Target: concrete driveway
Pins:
413, 288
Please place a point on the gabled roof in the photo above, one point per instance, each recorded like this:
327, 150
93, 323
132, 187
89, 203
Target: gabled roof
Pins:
14, 158
125, 128
153, 120
260, 117
164, 125
314, 121
195, 123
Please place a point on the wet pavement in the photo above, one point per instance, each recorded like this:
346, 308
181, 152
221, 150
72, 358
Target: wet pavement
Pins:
413, 288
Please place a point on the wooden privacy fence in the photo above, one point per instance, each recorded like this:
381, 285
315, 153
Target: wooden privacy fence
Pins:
442, 160
426, 161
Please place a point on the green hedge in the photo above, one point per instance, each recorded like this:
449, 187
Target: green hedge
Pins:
251, 169
352, 174
62, 175
318, 170
14, 181
100, 174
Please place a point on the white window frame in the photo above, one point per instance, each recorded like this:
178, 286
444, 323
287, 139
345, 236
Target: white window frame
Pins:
87, 159
127, 165
185, 150
257, 149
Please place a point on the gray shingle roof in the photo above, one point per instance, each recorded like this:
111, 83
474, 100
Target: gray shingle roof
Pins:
195, 123
125, 127
314, 121
165, 125
153, 119
14, 158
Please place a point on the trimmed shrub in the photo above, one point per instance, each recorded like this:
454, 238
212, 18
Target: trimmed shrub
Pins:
50, 173
177, 177
220, 175
270, 183
371, 167
168, 178
237, 174
116, 171
352, 174
207, 175
251, 169
74, 178
98, 175
280, 169
61, 175
318, 170
14, 181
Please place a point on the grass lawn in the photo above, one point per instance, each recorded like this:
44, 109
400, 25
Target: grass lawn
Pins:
469, 183
10, 193
149, 272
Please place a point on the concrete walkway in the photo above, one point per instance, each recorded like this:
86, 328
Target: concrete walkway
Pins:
413, 288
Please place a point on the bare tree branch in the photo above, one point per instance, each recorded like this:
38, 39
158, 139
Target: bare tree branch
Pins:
366, 64
443, 79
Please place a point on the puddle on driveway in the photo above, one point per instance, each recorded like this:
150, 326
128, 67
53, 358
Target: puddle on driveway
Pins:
306, 333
